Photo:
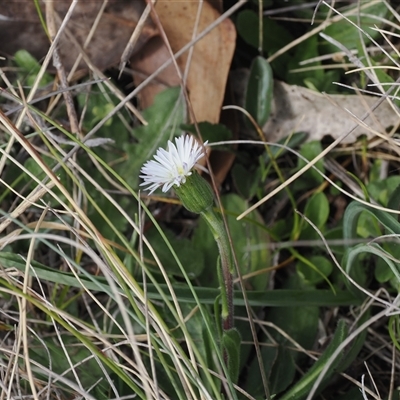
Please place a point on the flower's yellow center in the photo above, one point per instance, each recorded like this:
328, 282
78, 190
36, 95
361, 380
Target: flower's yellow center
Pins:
181, 170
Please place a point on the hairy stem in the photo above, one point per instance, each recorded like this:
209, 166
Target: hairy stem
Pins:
217, 227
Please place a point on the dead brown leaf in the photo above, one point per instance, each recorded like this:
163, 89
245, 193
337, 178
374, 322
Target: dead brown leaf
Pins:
297, 109
20, 28
208, 66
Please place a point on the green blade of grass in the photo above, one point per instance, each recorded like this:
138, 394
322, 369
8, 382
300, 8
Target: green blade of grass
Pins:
266, 298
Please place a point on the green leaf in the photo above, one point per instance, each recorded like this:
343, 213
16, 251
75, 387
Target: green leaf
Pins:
211, 132
231, 345
36, 170
275, 36
317, 209
291, 141
305, 383
380, 73
266, 3
307, 49
201, 336
260, 91
253, 383
191, 258
382, 190
299, 323
204, 242
349, 35
357, 344
310, 178
110, 212
383, 272
323, 268
86, 367
394, 198
207, 295
283, 371
29, 69
353, 212
246, 182
353, 393
249, 240
358, 273
248, 237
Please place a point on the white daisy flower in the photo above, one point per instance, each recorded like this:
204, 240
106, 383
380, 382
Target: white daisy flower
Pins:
171, 167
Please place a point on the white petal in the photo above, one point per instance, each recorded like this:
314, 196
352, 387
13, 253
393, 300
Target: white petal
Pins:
171, 167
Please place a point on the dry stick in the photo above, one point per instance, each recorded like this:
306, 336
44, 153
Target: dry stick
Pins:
51, 25
392, 372
249, 311
15, 98
88, 38
191, 50
7, 124
75, 127
68, 99
108, 83
71, 111
134, 38
346, 342
307, 35
95, 70
83, 219
10, 87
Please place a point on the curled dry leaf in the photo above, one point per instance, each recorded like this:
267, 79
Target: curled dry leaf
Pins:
20, 28
297, 109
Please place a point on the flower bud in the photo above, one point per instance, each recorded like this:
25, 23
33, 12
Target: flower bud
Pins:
195, 194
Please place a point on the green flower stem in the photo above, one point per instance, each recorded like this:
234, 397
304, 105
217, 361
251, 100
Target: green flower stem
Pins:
197, 196
218, 230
